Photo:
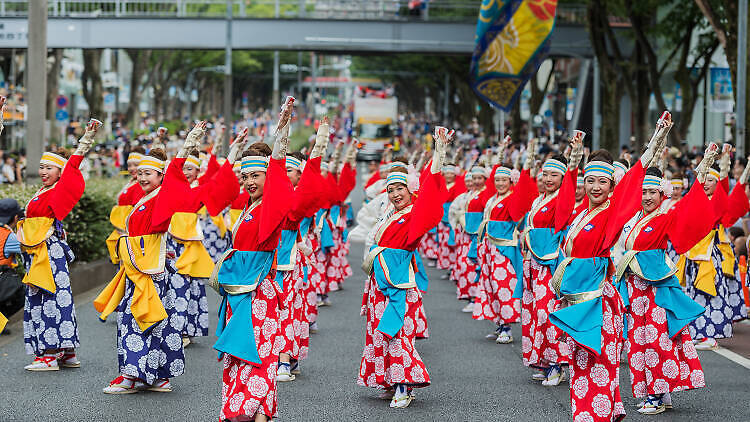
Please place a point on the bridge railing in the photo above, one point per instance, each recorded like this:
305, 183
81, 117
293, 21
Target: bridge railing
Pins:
388, 10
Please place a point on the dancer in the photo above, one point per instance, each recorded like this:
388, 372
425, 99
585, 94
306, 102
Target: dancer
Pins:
49, 319
390, 360
141, 292
128, 196
593, 316
661, 355
498, 252
446, 235
457, 217
249, 339
709, 270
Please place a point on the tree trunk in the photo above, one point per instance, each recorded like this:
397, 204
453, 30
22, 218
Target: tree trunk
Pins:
53, 82
140, 60
610, 130
92, 82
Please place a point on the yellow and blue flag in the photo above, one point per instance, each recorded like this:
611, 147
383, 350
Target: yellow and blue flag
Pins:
512, 40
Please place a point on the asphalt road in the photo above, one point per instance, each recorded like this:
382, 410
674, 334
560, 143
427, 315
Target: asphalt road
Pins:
472, 378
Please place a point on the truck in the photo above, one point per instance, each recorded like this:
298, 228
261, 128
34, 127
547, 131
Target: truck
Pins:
375, 121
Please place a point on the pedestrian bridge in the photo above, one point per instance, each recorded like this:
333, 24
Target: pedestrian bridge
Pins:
352, 26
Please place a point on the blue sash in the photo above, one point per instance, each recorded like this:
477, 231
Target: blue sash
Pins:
304, 226
668, 294
237, 337
545, 244
326, 236
391, 268
583, 320
335, 214
504, 230
473, 220
446, 221
284, 253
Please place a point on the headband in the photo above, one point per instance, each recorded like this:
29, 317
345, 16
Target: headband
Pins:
579, 181
621, 166
384, 167
714, 173
254, 163
599, 168
135, 157
193, 161
237, 165
502, 172
678, 183
294, 163
397, 164
553, 165
396, 177
450, 168
652, 182
151, 163
53, 160
480, 171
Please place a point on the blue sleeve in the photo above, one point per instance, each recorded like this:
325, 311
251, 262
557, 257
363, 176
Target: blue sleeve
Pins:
12, 246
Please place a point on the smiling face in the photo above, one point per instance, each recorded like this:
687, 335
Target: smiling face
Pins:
191, 173
502, 184
479, 181
49, 174
597, 189
133, 169
149, 179
580, 193
253, 183
709, 186
399, 195
449, 176
551, 180
651, 200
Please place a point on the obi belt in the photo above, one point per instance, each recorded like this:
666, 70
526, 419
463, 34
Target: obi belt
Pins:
503, 235
446, 221
473, 221
326, 235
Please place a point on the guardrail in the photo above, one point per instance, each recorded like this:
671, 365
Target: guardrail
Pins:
390, 10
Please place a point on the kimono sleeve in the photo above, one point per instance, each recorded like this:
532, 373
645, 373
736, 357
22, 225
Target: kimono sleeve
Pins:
524, 194
737, 205
174, 194
690, 220
566, 200
69, 188
218, 192
428, 207
625, 201
276, 193
310, 193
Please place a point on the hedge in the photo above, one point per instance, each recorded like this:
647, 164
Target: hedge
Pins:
87, 225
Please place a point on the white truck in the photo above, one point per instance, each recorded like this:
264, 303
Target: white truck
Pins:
375, 121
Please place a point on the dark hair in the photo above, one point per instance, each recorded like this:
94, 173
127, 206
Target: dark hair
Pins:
653, 171
716, 167
258, 149
624, 162
678, 175
62, 152
600, 155
158, 153
401, 160
195, 153
561, 158
298, 155
139, 149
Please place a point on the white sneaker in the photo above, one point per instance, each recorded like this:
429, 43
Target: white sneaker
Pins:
43, 363
295, 369
652, 406
314, 327
469, 308
283, 373
666, 399
402, 398
540, 376
707, 344
555, 376
504, 338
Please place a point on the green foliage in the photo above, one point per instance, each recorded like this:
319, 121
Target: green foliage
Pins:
87, 226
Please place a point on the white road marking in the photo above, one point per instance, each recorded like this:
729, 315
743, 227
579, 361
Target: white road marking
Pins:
734, 357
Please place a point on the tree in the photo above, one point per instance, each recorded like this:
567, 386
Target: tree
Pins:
92, 81
53, 78
140, 59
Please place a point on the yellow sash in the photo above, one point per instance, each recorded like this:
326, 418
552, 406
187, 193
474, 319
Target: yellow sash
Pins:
33, 234
117, 217
233, 215
701, 254
138, 263
3, 321
194, 260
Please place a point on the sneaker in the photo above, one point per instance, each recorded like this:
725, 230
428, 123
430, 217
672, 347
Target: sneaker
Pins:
123, 385
505, 336
652, 406
283, 373
314, 327
68, 360
402, 397
469, 308
326, 301
493, 335
161, 386
707, 344
43, 363
540, 376
555, 376
294, 368
666, 399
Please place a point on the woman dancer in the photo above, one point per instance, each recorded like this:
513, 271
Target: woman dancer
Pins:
593, 316
128, 196
390, 360
49, 319
457, 217
661, 355
446, 235
148, 324
499, 255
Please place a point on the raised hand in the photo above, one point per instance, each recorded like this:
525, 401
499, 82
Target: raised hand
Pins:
725, 162
745, 173
285, 115
658, 139
530, 154
84, 144
443, 137
708, 160
576, 149
321, 139
237, 146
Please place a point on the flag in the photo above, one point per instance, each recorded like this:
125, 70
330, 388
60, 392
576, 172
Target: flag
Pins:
512, 40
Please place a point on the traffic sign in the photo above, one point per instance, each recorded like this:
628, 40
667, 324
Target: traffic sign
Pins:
109, 102
61, 101
61, 115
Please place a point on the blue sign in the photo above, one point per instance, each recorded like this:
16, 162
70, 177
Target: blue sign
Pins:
61, 115
61, 101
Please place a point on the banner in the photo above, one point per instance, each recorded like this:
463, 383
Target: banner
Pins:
512, 40
721, 99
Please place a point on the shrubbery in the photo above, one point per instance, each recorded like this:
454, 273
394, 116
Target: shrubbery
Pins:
87, 225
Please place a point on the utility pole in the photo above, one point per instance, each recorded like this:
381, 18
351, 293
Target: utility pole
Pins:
228, 79
36, 85
741, 120
276, 68
446, 99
